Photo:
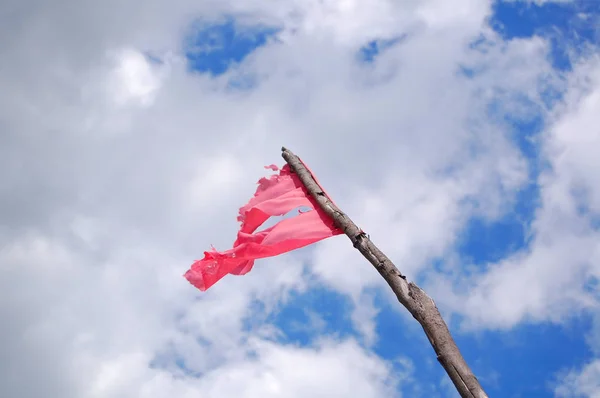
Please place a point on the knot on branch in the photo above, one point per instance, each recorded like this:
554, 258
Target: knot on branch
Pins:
358, 238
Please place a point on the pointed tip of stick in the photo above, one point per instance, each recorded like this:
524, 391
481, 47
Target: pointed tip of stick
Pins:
286, 154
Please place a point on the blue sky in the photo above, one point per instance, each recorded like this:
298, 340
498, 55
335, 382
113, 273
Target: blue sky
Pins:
520, 362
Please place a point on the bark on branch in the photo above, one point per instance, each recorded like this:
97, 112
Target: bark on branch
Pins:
416, 301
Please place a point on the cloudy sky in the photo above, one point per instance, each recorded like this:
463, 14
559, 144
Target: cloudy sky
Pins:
459, 134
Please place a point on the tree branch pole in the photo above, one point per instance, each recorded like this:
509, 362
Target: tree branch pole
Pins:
416, 301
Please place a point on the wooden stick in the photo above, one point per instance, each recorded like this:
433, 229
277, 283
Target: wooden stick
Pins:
416, 301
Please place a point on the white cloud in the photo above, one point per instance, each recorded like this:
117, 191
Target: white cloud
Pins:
270, 371
582, 383
134, 79
104, 207
297, 372
350, 21
364, 318
547, 282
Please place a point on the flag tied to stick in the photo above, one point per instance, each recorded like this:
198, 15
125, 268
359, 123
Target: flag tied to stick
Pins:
275, 196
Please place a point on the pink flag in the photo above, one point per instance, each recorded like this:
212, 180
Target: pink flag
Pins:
275, 196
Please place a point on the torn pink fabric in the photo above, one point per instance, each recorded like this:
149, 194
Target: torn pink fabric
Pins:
275, 196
